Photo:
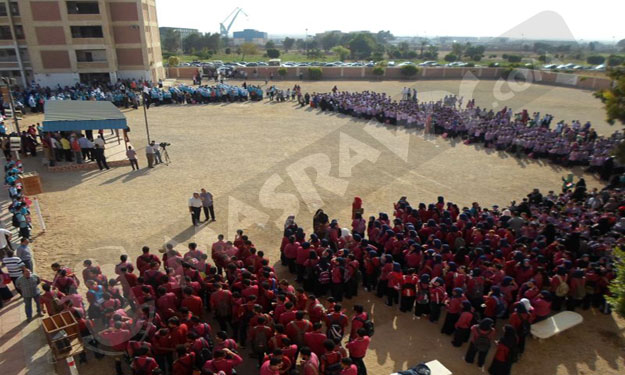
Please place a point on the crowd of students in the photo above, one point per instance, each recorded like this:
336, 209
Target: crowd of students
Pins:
20, 204
482, 265
569, 144
152, 314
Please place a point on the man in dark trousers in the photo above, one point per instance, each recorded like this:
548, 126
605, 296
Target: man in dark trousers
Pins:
99, 157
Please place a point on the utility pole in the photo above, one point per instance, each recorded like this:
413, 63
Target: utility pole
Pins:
145, 115
306, 40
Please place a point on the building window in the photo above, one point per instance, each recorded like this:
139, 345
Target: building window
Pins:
87, 32
91, 55
19, 32
5, 33
15, 10
8, 55
83, 7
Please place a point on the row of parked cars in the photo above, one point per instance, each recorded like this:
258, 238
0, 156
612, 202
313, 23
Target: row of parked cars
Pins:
572, 66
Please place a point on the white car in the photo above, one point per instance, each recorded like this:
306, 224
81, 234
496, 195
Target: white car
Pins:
406, 63
391, 63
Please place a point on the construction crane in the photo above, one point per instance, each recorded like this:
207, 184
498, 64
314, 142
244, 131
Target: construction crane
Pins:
225, 30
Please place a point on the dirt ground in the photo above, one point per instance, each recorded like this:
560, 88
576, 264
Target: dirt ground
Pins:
259, 160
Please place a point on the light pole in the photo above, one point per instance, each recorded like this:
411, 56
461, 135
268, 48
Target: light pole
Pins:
145, 115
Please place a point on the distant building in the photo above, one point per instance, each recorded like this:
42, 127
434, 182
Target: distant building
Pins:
184, 32
66, 42
249, 36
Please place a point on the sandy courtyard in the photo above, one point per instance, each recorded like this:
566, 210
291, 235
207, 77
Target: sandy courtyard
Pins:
263, 161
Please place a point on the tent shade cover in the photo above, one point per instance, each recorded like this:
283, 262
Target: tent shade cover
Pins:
68, 115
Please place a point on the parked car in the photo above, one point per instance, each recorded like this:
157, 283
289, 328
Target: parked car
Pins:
550, 66
390, 63
251, 64
406, 63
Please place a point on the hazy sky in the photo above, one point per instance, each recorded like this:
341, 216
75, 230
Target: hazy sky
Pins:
591, 21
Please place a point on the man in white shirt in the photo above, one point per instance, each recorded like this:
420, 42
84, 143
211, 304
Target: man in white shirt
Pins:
195, 208
100, 141
5, 241
149, 154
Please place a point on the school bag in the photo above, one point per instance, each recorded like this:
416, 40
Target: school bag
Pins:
482, 343
368, 325
260, 341
562, 289
335, 331
333, 365
525, 327
324, 275
500, 309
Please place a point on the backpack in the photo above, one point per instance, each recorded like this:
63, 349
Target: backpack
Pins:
562, 289
500, 309
324, 276
335, 331
299, 334
223, 310
368, 325
142, 370
332, 368
478, 289
424, 296
482, 343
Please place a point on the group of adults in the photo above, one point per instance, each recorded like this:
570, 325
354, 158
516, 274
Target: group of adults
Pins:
520, 133
516, 265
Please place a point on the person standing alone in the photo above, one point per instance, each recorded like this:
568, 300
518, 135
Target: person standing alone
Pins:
207, 204
132, 156
28, 285
195, 207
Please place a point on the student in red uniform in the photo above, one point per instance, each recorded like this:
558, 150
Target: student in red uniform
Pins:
270, 367
522, 321
330, 361
259, 338
296, 329
482, 336
462, 328
225, 360
438, 297
192, 302
408, 290
454, 308
142, 363
221, 305
163, 347
185, 363
145, 259
310, 362
315, 339
506, 353
394, 283
358, 349
348, 367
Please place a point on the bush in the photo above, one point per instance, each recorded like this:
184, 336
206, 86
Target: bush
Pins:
617, 286
273, 53
505, 56
228, 51
514, 58
378, 71
282, 72
409, 70
450, 57
470, 65
173, 61
411, 55
595, 59
615, 60
493, 65
314, 73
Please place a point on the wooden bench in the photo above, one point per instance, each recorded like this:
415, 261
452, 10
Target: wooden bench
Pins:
436, 368
556, 324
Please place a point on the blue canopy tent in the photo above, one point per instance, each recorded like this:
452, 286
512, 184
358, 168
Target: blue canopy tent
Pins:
76, 115
69, 115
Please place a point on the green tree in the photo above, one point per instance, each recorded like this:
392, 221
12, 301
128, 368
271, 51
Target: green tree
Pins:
431, 53
617, 286
450, 57
342, 52
288, 43
314, 73
383, 37
192, 42
475, 53
409, 70
270, 45
170, 40
615, 60
457, 49
329, 40
362, 45
248, 49
378, 71
273, 53
404, 48
595, 59
300, 44
423, 44
282, 72
614, 98
514, 58
173, 61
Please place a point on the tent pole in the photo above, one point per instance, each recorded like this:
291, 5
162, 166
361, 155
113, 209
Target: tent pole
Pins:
119, 142
145, 114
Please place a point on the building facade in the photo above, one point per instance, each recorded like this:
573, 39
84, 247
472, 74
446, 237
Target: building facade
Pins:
65, 42
249, 36
184, 32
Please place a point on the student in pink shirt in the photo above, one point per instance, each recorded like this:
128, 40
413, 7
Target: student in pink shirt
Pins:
271, 367
348, 367
224, 360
